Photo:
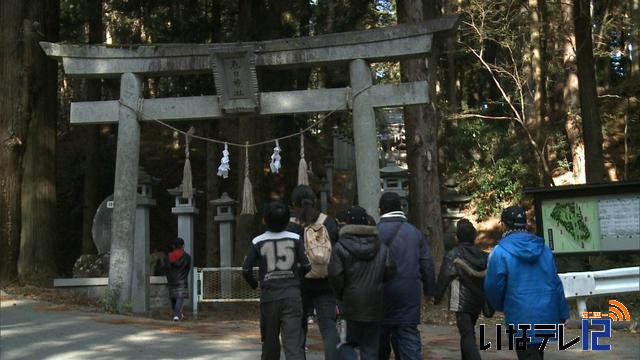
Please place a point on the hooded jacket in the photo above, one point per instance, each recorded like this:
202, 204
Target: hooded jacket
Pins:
522, 281
415, 274
359, 266
178, 265
464, 268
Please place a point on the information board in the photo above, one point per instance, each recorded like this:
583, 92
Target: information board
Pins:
592, 223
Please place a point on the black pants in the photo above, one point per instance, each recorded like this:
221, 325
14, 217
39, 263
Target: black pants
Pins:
466, 327
363, 335
283, 316
532, 353
325, 308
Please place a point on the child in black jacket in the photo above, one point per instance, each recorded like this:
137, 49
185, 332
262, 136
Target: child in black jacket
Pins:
464, 268
280, 257
359, 266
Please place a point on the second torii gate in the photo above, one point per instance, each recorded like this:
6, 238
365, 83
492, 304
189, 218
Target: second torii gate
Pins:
233, 66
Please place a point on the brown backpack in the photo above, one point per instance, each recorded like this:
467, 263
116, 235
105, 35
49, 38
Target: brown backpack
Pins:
317, 244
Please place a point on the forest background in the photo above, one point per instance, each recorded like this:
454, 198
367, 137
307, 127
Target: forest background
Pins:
527, 93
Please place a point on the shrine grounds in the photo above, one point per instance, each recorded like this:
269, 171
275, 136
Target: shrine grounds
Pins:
35, 329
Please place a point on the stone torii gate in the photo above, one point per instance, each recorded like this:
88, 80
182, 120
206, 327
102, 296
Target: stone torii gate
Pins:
233, 66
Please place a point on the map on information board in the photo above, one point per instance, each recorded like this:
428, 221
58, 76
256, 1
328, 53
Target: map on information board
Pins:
571, 224
591, 224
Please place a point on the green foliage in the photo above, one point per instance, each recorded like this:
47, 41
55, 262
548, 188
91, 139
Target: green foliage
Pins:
488, 160
496, 186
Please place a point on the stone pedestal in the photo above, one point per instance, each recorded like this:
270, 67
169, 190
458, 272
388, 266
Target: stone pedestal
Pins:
393, 180
224, 207
452, 202
185, 209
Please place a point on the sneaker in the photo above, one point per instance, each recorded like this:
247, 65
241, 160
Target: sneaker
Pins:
175, 318
181, 317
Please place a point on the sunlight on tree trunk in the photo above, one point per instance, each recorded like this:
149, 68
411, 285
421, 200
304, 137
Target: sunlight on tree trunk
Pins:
536, 122
421, 122
570, 99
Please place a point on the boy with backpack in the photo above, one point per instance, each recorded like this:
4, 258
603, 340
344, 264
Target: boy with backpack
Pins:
464, 268
281, 260
319, 232
359, 266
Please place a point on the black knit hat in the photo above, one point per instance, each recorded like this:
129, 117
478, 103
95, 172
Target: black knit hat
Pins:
357, 216
465, 231
514, 217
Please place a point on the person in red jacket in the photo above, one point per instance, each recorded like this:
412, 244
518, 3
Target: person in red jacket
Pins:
178, 265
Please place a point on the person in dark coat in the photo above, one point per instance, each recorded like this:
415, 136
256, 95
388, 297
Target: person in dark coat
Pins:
414, 277
178, 266
464, 268
317, 294
359, 266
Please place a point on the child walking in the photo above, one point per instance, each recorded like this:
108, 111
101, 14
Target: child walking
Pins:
178, 265
281, 260
359, 266
464, 268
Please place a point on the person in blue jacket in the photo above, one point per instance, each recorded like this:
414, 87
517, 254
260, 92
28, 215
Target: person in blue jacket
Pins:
522, 281
415, 276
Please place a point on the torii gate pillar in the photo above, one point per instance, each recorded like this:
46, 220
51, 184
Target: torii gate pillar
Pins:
365, 138
125, 189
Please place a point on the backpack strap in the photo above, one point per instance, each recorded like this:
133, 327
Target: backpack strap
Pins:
321, 218
395, 234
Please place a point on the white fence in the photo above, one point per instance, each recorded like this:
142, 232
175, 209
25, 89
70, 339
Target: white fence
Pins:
222, 284
582, 285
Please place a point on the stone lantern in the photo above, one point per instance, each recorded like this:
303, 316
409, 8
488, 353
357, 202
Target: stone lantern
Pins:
225, 217
185, 209
393, 179
452, 202
141, 247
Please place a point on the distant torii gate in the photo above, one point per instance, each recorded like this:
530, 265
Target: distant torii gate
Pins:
233, 66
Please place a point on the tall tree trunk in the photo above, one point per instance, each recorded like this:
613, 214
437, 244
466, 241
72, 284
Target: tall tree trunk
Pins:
591, 125
38, 200
635, 37
536, 120
14, 107
570, 99
92, 155
422, 133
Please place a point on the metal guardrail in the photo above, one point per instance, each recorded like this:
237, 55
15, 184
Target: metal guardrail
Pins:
222, 284
582, 285
226, 284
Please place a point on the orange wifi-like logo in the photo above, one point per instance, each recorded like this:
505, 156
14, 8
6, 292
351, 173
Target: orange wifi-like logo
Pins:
618, 312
